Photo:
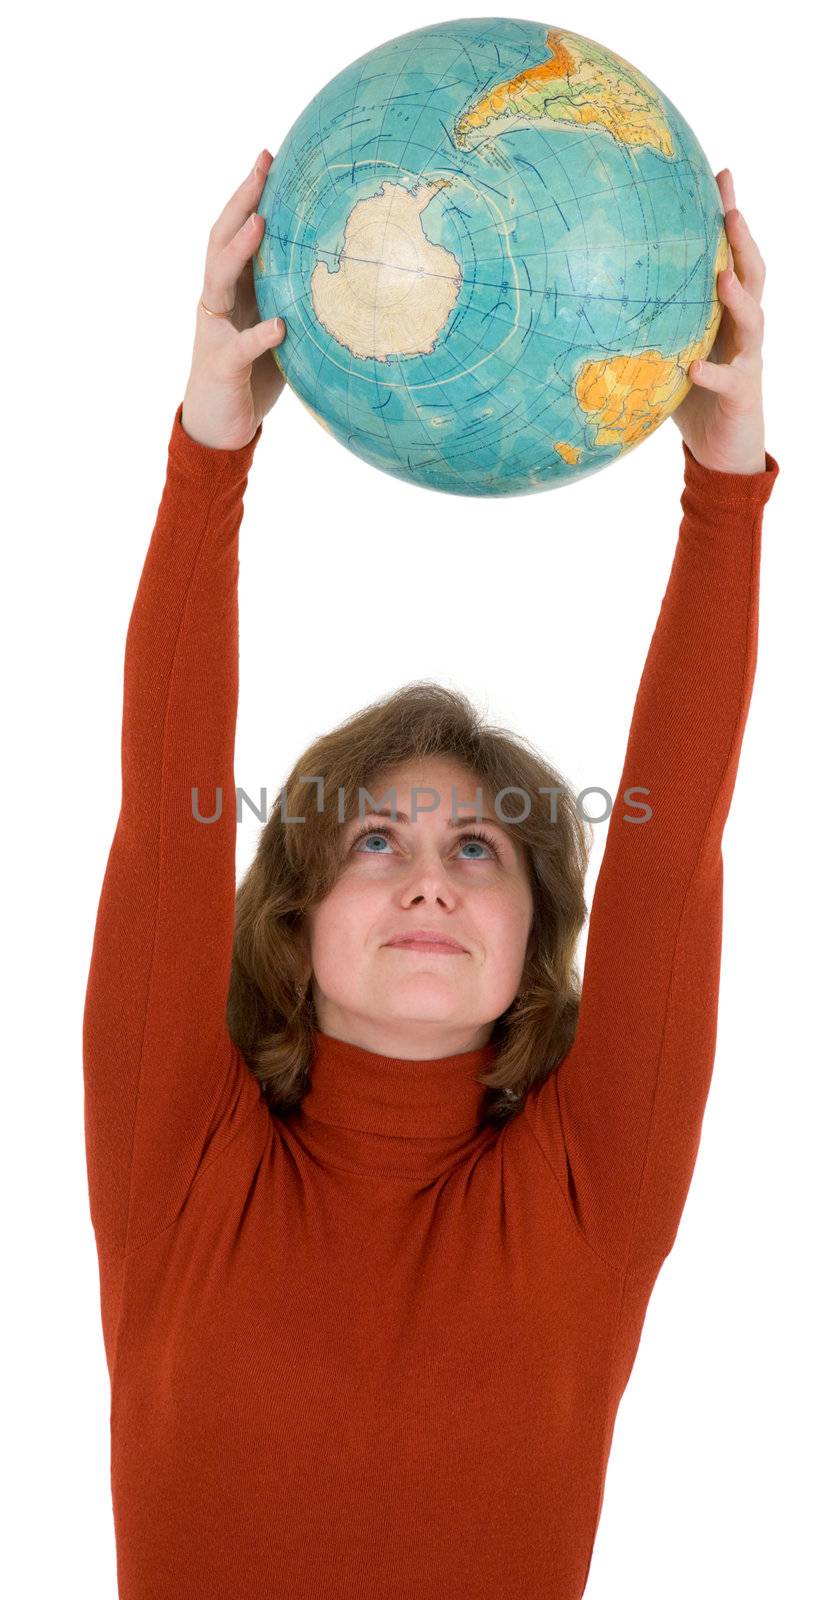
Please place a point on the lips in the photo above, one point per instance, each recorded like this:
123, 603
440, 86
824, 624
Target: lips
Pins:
426, 940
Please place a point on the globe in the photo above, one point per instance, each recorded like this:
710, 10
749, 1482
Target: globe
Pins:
495, 246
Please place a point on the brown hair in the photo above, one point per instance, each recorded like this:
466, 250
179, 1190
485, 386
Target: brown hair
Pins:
270, 1014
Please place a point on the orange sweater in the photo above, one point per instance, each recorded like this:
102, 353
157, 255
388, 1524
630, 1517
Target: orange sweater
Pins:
374, 1347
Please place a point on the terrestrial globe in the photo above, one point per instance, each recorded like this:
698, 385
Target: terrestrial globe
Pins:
495, 245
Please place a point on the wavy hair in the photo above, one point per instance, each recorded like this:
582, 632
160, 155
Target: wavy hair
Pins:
270, 1013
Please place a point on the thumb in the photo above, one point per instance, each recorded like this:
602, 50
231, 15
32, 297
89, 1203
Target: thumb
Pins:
252, 342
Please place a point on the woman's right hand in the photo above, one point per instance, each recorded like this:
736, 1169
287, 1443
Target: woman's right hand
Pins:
234, 379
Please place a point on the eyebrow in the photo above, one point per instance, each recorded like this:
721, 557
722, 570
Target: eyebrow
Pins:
462, 822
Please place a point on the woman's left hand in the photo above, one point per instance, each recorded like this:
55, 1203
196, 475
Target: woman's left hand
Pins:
721, 416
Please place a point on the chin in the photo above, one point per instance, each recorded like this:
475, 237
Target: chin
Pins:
419, 1003
420, 1011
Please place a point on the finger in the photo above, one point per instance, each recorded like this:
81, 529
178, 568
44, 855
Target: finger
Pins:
224, 270
252, 342
236, 210
747, 313
748, 262
732, 383
725, 183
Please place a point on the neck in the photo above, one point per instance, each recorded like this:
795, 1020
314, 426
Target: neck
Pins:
401, 1040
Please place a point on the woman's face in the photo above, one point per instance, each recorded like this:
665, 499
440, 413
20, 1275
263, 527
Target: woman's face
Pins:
398, 877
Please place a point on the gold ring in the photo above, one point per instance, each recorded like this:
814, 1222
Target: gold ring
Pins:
215, 313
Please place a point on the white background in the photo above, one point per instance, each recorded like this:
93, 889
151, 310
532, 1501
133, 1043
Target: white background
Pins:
127, 129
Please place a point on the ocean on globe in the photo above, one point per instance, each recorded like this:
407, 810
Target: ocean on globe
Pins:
495, 246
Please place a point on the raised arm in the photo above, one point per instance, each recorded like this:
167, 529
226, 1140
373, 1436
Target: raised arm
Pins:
620, 1118
622, 1114
164, 1088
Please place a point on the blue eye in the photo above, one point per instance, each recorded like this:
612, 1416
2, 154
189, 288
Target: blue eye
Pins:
375, 834
476, 838
387, 833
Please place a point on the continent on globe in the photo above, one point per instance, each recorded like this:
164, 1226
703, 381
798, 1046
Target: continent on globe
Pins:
392, 290
581, 83
627, 397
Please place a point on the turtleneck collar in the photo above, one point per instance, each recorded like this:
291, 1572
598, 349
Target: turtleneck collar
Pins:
387, 1113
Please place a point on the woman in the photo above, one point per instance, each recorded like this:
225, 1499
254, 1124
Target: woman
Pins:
378, 1222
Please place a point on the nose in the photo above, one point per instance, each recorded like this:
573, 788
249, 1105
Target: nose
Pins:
430, 882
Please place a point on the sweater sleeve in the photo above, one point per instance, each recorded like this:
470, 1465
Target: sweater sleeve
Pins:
620, 1117
164, 1087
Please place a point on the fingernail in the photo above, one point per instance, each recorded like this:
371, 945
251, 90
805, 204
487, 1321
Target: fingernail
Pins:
252, 219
